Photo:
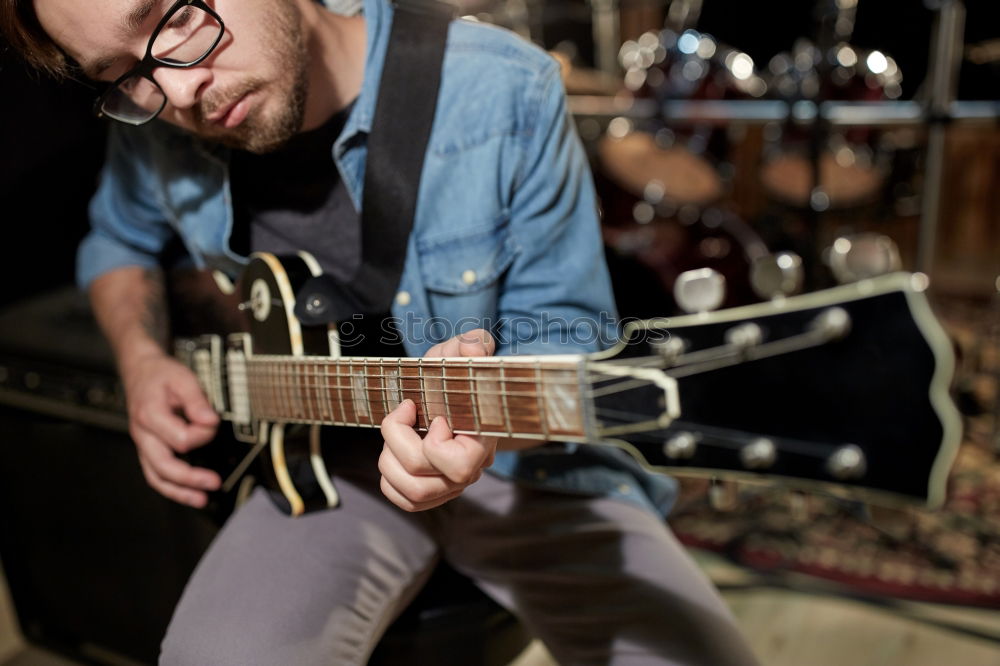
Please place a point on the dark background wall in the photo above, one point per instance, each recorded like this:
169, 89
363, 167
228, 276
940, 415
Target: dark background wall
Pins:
50, 150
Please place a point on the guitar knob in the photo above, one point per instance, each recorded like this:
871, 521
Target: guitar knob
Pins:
774, 276
862, 256
681, 446
848, 462
700, 290
759, 454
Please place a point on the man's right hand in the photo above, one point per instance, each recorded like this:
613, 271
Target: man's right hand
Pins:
169, 414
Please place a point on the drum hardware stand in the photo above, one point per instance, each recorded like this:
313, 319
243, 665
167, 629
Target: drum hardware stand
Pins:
946, 55
894, 113
683, 15
607, 35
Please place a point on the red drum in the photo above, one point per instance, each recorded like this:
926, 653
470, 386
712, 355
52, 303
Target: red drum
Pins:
665, 241
852, 165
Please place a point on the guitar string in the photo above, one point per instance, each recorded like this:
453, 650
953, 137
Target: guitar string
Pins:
721, 437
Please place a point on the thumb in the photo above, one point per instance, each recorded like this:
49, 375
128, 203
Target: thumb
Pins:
477, 342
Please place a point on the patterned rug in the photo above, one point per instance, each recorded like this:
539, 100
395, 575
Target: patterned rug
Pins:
951, 555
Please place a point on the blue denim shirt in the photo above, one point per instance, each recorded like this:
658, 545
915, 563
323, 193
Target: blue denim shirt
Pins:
505, 235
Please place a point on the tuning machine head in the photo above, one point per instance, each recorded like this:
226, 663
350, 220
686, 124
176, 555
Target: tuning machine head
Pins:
848, 462
700, 290
862, 256
774, 276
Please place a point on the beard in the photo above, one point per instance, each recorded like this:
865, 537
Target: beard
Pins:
265, 129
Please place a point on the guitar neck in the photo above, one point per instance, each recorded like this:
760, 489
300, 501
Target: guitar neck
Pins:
540, 397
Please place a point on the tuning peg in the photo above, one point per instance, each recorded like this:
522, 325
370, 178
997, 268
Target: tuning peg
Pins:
862, 256
774, 276
760, 453
700, 290
847, 463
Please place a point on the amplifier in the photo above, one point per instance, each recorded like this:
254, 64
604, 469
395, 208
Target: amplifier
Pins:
54, 361
94, 558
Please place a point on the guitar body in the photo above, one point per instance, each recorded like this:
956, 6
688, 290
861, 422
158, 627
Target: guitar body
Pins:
294, 470
262, 305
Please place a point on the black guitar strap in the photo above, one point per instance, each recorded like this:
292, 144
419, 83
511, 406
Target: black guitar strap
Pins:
404, 112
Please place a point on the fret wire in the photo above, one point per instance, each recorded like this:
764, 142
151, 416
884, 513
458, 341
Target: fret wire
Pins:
314, 389
277, 369
385, 403
323, 397
541, 404
399, 382
306, 392
303, 392
379, 391
423, 394
503, 399
444, 392
273, 373
473, 399
294, 390
286, 378
347, 393
340, 393
273, 377
364, 393
295, 395
290, 388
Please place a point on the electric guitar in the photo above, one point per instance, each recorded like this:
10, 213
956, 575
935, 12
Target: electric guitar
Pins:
846, 388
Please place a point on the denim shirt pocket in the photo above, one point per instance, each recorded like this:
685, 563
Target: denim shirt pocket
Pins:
462, 273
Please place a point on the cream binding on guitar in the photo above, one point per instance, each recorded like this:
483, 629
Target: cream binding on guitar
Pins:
845, 388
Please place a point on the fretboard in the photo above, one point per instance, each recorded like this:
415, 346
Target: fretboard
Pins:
513, 396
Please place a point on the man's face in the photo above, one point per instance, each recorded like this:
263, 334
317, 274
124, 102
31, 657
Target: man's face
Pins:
249, 93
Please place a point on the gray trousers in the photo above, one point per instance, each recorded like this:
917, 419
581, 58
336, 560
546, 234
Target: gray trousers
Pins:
598, 580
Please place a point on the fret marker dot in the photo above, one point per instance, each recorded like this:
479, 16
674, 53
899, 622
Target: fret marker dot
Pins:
403, 298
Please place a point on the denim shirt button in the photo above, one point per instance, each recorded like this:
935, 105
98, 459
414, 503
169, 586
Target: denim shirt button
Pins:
403, 298
469, 276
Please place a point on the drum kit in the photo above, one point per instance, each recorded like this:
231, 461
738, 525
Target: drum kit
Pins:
665, 119
665, 185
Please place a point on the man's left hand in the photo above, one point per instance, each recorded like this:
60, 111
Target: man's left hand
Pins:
422, 473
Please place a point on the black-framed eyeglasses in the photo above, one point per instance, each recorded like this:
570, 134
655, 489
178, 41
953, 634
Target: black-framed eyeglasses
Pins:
185, 36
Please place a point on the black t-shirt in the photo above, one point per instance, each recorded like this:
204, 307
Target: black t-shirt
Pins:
294, 198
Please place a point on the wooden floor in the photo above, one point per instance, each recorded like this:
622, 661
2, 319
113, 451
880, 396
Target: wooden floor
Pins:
787, 626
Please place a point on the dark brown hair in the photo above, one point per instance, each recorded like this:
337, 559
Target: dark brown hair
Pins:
20, 28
